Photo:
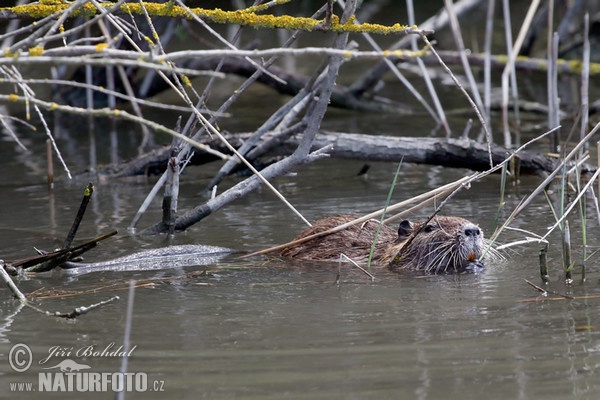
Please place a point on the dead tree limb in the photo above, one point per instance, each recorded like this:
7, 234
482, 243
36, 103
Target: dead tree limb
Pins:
324, 87
82, 207
349, 97
294, 82
460, 153
463, 153
370, 78
45, 262
420, 150
23, 299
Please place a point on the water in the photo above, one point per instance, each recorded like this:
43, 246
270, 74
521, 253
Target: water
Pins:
263, 328
272, 332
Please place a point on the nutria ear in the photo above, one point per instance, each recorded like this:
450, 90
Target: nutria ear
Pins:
404, 229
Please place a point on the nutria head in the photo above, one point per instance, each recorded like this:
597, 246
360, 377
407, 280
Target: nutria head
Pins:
444, 245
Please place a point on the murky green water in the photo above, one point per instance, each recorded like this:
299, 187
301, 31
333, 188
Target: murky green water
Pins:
261, 328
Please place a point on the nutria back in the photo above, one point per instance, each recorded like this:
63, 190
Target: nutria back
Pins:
355, 241
444, 244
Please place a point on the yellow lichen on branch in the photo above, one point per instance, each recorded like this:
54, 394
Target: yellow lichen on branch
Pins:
44, 9
101, 47
263, 7
36, 51
239, 17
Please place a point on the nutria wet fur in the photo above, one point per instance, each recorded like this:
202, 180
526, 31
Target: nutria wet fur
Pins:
355, 241
445, 244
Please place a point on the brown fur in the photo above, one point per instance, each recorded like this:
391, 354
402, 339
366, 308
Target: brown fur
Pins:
446, 244
355, 241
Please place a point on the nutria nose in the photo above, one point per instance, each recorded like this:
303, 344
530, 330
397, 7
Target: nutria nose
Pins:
472, 231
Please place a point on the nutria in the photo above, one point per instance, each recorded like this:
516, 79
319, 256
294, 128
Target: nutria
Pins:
444, 245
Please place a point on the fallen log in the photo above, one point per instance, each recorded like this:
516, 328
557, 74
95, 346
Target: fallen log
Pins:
455, 153
458, 153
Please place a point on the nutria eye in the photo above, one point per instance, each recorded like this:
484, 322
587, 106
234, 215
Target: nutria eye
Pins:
429, 228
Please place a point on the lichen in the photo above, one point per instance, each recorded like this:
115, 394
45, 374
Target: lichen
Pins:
149, 41
49, 7
263, 7
36, 51
247, 17
101, 47
574, 65
407, 53
13, 97
594, 68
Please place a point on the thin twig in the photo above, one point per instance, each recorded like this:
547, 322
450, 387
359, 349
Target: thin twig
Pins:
106, 112
462, 89
354, 263
545, 292
23, 299
87, 195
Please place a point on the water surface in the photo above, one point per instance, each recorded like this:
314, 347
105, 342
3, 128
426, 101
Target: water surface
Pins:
264, 328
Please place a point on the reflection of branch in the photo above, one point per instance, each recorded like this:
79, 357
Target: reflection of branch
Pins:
73, 314
545, 292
